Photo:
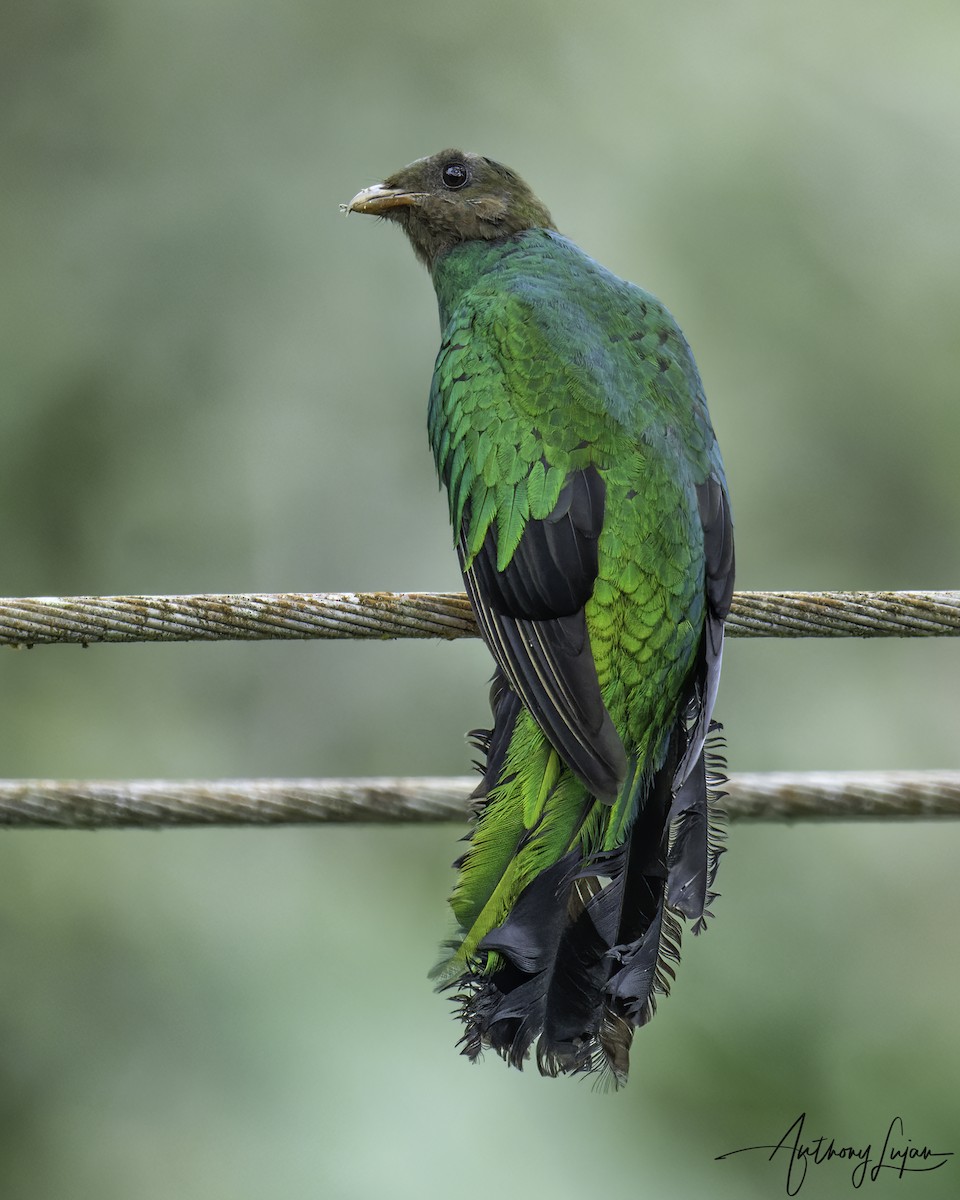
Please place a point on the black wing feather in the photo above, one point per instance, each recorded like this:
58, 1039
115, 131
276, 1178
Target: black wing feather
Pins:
694, 853
717, 524
531, 616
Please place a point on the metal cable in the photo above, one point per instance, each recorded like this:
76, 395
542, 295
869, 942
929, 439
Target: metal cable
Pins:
66, 804
86, 619
89, 805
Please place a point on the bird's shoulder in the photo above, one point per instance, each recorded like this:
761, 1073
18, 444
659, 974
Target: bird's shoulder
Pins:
538, 303
550, 363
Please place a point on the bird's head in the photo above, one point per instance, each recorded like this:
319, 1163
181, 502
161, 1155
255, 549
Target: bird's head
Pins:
453, 197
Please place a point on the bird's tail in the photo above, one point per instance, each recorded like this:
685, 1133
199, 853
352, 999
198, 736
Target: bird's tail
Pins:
562, 941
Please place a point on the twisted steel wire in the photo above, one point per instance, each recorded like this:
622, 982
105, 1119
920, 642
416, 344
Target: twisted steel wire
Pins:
66, 804
152, 804
87, 619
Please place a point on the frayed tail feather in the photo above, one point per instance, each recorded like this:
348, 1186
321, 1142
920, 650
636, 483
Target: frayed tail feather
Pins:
592, 942
698, 833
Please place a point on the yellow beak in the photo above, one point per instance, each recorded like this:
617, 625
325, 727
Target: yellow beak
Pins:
378, 199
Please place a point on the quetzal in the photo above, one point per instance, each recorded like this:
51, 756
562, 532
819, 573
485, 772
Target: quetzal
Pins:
591, 517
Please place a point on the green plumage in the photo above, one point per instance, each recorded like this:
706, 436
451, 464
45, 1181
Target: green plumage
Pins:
588, 500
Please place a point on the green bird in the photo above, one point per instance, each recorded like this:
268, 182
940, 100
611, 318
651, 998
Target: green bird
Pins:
592, 521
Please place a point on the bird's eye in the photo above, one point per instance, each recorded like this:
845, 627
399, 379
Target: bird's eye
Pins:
455, 175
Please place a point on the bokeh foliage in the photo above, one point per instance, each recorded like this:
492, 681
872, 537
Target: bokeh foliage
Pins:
210, 381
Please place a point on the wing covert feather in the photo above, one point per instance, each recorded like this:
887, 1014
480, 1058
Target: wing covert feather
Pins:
528, 519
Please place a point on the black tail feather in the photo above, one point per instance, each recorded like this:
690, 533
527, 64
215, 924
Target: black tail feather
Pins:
550, 984
493, 743
698, 834
591, 942
505, 1010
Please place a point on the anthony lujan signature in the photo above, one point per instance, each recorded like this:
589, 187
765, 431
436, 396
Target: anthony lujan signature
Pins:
896, 1153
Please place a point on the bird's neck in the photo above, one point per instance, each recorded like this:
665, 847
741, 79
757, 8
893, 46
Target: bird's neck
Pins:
461, 268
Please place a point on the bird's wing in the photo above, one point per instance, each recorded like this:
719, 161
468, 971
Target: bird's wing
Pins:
527, 519
717, 524
531, 615
694, 851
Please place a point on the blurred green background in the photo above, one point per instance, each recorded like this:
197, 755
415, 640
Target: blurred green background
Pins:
211, 381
